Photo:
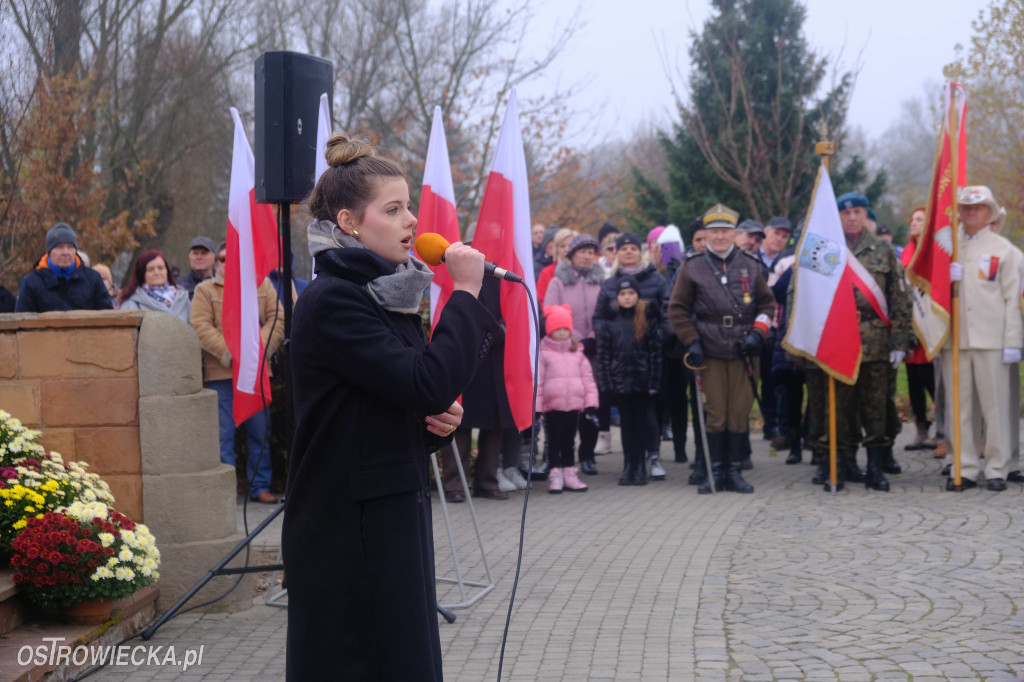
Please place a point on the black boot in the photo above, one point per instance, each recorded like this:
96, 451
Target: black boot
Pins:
627, 471
889, 463
640, 469
716, 475
821, 460
875, 478
852, 473
795, 455
700, 467
826, 484
588, 466
737, 444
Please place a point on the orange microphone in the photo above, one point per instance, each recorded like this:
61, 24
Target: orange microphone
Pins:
430, 246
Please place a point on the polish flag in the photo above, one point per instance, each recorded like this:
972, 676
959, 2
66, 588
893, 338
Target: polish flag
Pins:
324, 130
503, 235
252, 253
437, 211
823, 323
928, 270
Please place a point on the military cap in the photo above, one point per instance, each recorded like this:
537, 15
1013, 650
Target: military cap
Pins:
720, 215
852, 200
751, 227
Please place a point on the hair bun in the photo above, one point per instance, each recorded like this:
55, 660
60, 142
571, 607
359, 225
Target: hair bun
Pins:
342, 149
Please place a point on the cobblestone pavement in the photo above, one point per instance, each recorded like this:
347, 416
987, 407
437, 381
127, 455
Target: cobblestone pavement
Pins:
656, 583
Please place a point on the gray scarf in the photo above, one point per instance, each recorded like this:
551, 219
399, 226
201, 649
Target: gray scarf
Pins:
400, 292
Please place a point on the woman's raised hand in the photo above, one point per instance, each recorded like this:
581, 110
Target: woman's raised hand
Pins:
466, 267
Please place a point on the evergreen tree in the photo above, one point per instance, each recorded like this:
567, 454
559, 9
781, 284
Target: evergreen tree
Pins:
757, 99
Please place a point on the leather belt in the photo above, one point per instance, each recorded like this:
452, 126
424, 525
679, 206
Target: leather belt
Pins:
726, 321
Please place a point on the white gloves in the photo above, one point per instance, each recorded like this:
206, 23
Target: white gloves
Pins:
896, 357
1011, 356
956, 272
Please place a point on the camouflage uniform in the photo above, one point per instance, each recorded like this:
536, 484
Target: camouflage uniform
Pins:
864, 406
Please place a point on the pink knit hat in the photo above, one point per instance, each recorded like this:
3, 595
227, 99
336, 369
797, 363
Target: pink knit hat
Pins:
558, 317
654, 234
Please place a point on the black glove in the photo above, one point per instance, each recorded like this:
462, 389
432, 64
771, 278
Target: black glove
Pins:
590, 412
589, 347
694, 356
751, 344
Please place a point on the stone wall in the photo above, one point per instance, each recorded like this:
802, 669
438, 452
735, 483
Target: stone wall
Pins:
123, 391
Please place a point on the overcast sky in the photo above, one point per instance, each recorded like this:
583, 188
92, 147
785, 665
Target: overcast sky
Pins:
900, 44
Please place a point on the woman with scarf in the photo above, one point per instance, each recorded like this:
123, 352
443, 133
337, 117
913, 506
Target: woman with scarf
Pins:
372, 400
152, 287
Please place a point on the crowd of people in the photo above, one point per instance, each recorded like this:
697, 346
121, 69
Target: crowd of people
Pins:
63, 280
652, 333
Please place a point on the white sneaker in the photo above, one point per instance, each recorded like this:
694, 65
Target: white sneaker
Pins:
604, 443
505, 485
516, 478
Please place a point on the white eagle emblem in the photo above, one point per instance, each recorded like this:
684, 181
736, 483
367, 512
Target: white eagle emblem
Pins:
944, 238
819, 254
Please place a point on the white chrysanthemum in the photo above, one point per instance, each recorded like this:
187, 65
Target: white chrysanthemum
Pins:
112, 561
106, 539
103, 572
146, 571
125, 554
124, 573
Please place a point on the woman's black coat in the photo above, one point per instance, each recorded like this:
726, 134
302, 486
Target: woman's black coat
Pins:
357, 538
625, 364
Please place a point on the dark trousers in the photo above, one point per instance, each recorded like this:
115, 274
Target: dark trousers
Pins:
920, 379
485, 473
561, 427
638, 420
676, 388
789, 395
768, 404
588, 435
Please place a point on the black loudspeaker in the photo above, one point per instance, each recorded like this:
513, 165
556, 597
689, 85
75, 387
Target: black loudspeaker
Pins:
288, 89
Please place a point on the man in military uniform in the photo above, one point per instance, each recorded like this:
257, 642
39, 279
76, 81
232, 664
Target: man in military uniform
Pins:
721, 309
862, 407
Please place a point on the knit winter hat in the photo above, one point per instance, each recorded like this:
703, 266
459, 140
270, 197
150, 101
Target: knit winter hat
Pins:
654, 234
557, 317
61, 233
628, 238
583, 241
627, 282
606, 230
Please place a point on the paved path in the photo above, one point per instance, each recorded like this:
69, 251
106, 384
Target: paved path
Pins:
656, 583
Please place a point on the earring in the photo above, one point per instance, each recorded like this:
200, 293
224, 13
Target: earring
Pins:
355, 233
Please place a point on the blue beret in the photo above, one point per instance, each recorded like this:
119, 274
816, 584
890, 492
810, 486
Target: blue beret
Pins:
871, 215
852, 200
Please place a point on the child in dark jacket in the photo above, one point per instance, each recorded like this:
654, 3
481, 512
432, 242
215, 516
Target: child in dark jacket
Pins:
629, 357
566, 387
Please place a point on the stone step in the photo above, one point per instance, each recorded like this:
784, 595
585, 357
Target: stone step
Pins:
130, 615
13, 605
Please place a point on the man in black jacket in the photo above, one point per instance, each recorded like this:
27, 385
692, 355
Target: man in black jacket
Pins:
60, 280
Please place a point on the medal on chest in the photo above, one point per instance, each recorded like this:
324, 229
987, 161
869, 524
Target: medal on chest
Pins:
745, 283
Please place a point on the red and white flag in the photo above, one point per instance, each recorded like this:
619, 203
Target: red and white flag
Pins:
437, 211
503, 235
823, 322
928, 270
324, 130
252, 253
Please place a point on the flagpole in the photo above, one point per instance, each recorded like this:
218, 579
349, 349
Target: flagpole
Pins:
825, 150
954, 327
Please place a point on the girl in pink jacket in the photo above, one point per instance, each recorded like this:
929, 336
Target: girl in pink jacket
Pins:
566, 387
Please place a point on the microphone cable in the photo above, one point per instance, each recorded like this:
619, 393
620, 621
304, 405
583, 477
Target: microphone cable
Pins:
529, 476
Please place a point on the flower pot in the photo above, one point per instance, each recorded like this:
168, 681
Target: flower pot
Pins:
90, 612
